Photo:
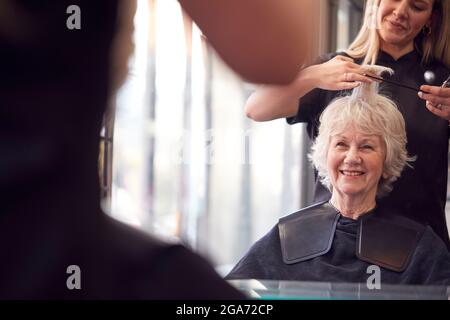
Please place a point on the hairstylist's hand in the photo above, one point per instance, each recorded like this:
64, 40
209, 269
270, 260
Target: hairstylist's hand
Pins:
339, 73
437, 100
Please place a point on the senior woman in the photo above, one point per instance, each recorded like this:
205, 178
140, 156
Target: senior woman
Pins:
358, 153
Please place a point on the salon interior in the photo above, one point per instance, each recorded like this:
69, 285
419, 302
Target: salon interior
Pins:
181, 160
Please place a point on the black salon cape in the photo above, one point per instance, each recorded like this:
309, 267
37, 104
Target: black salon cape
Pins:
420, 192
54, 88
430, 263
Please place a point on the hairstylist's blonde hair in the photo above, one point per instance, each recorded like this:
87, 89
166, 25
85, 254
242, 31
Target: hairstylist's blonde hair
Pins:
435, 46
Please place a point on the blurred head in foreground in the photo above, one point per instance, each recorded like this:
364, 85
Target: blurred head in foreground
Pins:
55, 241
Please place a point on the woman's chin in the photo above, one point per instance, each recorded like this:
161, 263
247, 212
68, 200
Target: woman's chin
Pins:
350, 191
392, 40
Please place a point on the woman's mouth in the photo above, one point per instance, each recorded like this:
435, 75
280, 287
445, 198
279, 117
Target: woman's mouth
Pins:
396, 25
351, 173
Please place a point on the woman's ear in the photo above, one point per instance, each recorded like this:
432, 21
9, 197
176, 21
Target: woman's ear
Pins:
385, 175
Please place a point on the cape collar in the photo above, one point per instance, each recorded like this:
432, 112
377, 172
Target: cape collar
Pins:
384, 238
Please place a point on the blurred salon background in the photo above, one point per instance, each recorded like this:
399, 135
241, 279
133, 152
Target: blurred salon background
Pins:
180, 158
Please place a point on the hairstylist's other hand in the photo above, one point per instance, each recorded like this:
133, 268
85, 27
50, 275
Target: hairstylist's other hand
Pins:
437, 100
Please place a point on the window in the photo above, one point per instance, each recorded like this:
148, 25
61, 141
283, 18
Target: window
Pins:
188, 164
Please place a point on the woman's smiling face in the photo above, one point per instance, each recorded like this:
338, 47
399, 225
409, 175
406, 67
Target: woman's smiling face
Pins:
355, 163
400, 21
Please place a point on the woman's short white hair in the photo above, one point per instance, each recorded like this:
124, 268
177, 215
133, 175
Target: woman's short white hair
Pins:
371, 113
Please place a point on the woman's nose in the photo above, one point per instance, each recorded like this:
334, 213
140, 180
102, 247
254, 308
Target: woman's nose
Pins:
400, 10
352, 157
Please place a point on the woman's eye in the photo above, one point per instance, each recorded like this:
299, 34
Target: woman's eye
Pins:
367, 147
340, 144
418, 7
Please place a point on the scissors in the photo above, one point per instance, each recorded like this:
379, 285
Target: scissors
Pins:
445, 84
394, 82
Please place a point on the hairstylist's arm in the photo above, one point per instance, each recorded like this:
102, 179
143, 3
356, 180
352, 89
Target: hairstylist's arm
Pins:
273, 102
